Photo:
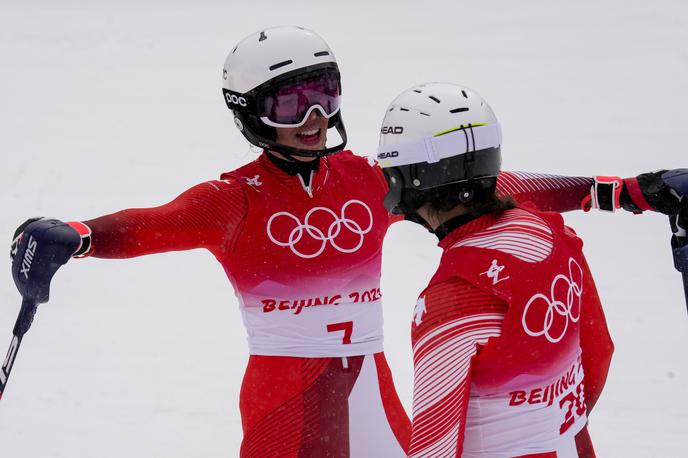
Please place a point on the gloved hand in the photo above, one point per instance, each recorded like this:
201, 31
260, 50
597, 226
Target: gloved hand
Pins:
647, 191
40, 247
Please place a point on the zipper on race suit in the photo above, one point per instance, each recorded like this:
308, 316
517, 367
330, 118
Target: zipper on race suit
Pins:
308, 188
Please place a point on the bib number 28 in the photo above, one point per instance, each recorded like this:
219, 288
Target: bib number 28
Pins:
346, 326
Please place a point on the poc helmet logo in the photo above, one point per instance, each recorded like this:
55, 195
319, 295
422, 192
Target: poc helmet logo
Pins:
233, 99
388, 155
392, 130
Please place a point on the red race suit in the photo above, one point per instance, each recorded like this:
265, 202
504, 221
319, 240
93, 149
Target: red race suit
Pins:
511, 348
305, 263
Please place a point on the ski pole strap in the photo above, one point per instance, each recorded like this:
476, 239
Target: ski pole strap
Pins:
86, 246
636, 194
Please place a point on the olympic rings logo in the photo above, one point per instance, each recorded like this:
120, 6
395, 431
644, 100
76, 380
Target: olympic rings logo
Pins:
336, 227
567, 309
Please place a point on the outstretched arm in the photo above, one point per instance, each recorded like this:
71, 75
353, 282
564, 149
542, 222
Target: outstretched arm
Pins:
546, 192
205, 216
563, 193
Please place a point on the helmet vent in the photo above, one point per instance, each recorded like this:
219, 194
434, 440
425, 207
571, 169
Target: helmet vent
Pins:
418, 91
262, 36
281, 64
235, 48
424, 114
458, 110
434, 98
404, 109
464, 93
322, 53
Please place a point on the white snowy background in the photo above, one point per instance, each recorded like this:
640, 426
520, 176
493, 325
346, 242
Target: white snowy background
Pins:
110, 105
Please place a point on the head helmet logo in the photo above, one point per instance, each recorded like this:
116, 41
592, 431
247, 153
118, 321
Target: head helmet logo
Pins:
392, 130
388, 155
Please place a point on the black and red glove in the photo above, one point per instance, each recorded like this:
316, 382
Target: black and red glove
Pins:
647, 191
39, 248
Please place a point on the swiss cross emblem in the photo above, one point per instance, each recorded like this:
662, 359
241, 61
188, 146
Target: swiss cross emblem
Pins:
255, 181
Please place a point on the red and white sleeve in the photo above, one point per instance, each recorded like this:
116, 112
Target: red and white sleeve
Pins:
546, 192
452, 320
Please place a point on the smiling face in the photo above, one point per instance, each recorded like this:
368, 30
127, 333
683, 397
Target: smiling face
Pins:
311, 136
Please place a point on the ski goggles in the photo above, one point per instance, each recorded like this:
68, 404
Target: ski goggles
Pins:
291, 104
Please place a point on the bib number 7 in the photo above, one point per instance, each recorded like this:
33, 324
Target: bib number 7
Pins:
346, 326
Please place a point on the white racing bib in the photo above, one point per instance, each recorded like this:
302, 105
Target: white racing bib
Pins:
314, 328
539, 419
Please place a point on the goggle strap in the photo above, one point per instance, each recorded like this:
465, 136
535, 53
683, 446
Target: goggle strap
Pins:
435, 148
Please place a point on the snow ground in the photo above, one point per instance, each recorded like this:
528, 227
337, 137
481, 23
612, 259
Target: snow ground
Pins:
109, 105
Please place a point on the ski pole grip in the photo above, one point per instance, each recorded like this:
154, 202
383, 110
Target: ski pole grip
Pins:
677, 180
679, 246
25, 318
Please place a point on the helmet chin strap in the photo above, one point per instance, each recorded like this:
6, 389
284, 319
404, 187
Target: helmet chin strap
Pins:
414, 217
289, 163
465, 196
410, 213
292, 155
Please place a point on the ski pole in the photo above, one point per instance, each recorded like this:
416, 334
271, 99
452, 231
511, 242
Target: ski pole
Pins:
679, 247
21, 326
40, 248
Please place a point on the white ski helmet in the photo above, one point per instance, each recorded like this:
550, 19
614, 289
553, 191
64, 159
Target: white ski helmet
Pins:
435, 135
262, 63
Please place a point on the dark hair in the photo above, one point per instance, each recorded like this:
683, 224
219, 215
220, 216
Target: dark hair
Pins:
478, 196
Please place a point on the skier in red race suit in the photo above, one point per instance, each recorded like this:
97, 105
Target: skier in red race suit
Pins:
299, 233
510, 344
